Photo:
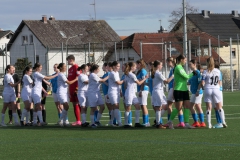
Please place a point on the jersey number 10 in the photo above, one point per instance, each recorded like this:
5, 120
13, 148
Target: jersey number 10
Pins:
214, 80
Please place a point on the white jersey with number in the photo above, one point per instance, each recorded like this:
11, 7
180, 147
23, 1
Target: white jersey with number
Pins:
211, 79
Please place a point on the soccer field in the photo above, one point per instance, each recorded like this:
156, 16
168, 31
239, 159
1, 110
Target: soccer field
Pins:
54, 142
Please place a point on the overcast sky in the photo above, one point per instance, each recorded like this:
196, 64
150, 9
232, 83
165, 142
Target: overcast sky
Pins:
124, 16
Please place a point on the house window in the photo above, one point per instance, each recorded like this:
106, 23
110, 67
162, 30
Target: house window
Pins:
9, 36
205, 52
235, 74
24, 40
131, 58
37, 58
31, 39
233, 53
121, 59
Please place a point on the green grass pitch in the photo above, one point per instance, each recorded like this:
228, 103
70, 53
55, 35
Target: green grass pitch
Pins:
54, 142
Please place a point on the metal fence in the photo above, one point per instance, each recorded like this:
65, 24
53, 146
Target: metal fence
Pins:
125, 51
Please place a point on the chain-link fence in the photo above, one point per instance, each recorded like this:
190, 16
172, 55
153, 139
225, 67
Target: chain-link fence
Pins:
134, 47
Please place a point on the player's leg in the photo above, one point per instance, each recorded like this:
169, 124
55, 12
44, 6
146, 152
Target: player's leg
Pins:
5, 106
19, 112
143, 102
76, 108
198, 106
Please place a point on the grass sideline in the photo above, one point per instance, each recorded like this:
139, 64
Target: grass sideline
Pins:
53, 142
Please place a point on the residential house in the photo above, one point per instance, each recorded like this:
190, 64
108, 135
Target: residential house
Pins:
49, 41
5, 36
222, 25
157, 46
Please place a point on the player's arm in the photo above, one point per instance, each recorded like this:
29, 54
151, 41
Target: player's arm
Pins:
71, 82
183, 74
103, 80
50, 77
48, 83
169, 79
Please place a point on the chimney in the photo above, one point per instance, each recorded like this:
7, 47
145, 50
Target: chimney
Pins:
235, 13
205, 13
51, 18
44, 19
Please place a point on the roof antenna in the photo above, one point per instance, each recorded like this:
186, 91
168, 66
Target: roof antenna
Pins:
94, 5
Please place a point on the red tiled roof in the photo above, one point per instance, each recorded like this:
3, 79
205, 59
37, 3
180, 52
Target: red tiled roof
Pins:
123, 37
153, 52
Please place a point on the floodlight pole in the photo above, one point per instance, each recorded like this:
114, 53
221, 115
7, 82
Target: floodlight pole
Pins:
231, 74
185, 32
238, 62
67, 45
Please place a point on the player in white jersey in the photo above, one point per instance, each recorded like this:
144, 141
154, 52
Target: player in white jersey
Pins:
219, 122
82, 92
9, 96
159, 98
94, 95
62, 92
26, 93
36, 92
212, 94
114, 83
130, 94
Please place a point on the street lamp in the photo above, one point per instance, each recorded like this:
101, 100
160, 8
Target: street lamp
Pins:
68, 40
67, 44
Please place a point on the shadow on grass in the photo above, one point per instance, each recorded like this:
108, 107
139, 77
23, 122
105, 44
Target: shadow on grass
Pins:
56, 127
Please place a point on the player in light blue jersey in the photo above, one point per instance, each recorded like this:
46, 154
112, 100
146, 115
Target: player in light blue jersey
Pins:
196, 101
123, 89
105, 68
143, 91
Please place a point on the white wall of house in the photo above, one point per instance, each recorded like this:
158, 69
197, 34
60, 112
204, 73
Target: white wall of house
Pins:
55, 56
18, 50
3, 59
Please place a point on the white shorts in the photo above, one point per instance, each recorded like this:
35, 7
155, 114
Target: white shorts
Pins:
7, 98
107, 100
63, 98
143, 100
114, 98
36, 98
170, 95
131, 99
82, 98
95, 99
196, 100
159, 98
213, 104
55, 97
212, 95
26, 96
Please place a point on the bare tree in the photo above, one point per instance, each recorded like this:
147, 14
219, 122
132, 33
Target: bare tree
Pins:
177, 14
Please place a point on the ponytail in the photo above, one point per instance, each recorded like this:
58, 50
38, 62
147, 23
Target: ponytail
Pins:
7, 68
93, 68
210, 64
36, 65
128, 67
141, 61
60, 66
155, 65
24, 72
171, 59
179, 58
82, 67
